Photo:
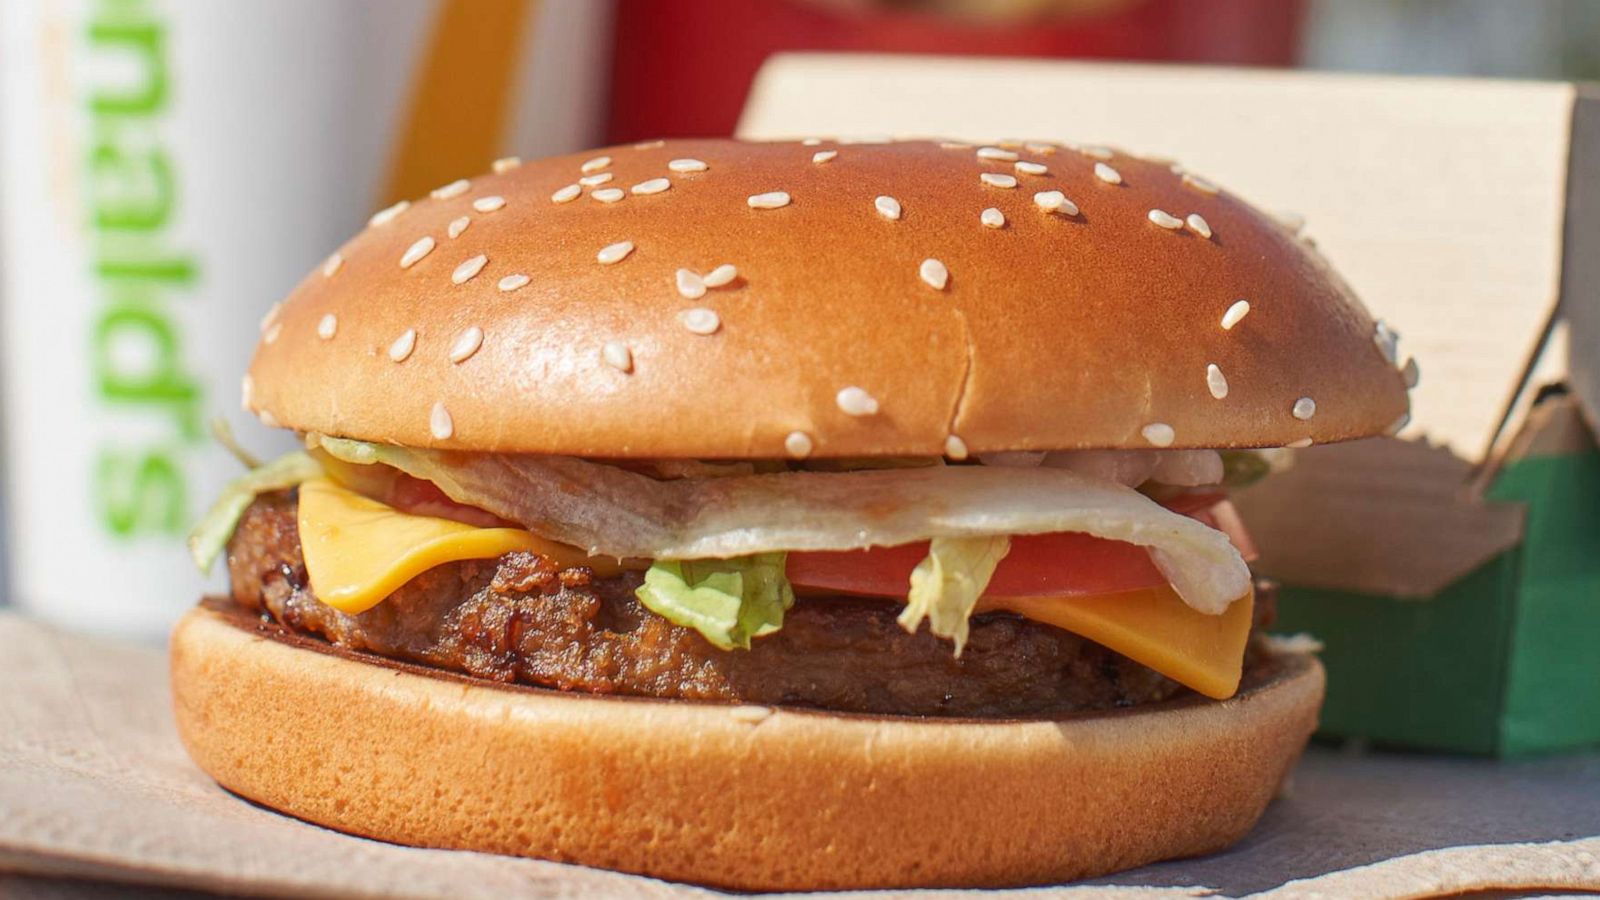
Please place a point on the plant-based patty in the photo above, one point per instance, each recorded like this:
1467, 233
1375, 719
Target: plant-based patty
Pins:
520, 618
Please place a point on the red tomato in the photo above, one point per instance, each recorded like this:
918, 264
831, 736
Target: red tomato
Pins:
424, 498
1039, 565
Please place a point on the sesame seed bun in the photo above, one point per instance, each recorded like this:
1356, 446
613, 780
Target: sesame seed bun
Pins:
738, 797
834, 300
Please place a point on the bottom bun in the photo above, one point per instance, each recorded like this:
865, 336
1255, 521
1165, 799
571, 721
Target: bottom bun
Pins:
741, 797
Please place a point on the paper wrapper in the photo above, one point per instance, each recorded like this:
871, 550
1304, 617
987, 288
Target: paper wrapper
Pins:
94, 785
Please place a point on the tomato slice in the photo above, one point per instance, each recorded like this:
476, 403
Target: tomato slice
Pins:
424, 498
1063, 564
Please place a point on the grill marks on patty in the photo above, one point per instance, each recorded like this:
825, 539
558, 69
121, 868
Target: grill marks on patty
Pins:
519, 618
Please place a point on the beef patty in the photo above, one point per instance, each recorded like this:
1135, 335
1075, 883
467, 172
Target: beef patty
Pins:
522, 618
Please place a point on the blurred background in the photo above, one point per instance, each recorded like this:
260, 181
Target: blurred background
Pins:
169, 169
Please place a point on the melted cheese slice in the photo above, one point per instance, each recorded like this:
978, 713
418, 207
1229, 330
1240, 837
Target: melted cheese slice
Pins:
359, 551
1154, 627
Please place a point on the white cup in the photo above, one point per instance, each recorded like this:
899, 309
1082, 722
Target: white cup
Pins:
167, 171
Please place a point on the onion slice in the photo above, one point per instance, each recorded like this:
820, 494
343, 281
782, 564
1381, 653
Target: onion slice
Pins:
610, 511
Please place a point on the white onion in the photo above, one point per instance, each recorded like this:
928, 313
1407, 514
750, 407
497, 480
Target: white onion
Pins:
1128, 467
1187, 468
610, 511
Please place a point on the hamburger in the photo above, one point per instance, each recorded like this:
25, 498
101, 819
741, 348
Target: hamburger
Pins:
785, 515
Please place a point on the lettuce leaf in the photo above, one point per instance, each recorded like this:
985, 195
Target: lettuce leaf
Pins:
214, 529
728, 601
946, 585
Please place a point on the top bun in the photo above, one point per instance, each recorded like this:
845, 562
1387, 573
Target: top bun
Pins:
486, 317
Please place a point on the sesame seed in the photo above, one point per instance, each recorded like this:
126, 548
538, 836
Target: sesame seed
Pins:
769, 200
1411, 372
1293, 221
650, 145
720, 276
822, 156
440, 425
700, 320
567, 194
750, 714
798, 445
997, 179
955, 448
614, 253
934, 273
1159, 434
247, 391
1304, 408
328, 327
595, 180
271, 334
608, 195
388, 214
1165, 219
457, 226
1299, 444
1196, 182
653, 186
993, 218
403, 345
512, 282
468, 269
1198, 224
1107, 174
595, 164
1237, 311
1388, 342
1031, 168
996, 153
1398, 424
505, 164
1216, 381
466, 344
854, 401
1039, 147
267, 418
811, 142
888, 207
332, 264
1176, 169
453, 189
1056, 202
489, 204
617, 355
690, 285
954, 145
272, 316
686, 165
414, 254
1095, 151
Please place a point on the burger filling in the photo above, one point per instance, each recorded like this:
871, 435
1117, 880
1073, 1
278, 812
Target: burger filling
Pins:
1018, 584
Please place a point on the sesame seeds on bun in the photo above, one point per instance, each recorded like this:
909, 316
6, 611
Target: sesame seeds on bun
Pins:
771, 300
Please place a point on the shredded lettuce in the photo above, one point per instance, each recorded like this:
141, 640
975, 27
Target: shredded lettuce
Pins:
1242, 468
728, 601
946, 585
211, 534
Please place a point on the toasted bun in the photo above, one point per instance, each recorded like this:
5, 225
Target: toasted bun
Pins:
739, 797
1054, 331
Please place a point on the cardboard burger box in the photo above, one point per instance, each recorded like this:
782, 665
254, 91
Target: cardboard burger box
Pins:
1453, 572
